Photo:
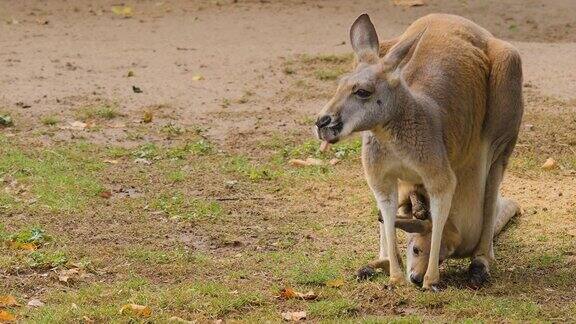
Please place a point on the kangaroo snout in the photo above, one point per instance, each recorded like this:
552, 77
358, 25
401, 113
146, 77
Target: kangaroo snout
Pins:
323, 121
416, 278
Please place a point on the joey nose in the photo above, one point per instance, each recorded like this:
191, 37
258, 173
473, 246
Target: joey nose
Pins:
416, 279
323, 121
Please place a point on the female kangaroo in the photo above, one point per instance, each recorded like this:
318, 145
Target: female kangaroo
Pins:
441, 109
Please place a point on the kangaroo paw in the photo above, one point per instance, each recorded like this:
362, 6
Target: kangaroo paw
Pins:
479, 274
371, 269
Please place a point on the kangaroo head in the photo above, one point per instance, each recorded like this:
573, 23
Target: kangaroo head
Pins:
418, 249
365, 98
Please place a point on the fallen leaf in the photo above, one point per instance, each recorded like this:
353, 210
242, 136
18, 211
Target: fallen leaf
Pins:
22, 246
148, 116
6, 121
6, 316
324, 146
106, 194
142, 161
135, 89
334, 161
135, 309
197, 77
8, 300
77, 125
335, 283
550, 164
111, 161
294, 316
34, 302
289, 293
124, 11
130, 74
409, 3
307, 162
67, 274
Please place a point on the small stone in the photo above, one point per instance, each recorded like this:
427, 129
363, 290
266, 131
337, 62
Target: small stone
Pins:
34, 302
230, 184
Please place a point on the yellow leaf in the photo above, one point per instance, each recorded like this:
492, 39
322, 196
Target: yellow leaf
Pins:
135, 309
148, 116
294, 316
197, 77
335, 283
6, 316
8, 300
124, 11
22, 246
289, 293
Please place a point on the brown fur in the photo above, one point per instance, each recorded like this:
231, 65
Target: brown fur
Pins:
440, 109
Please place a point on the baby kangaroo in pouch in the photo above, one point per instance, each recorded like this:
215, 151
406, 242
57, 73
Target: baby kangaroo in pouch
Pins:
439, 108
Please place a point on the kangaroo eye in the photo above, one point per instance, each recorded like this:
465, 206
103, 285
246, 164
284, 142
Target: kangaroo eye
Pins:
416, 250
363, 94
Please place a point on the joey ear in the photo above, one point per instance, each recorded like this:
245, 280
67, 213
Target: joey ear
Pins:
364, 39
399, 51
413, 225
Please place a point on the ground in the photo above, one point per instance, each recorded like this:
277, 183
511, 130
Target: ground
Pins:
147, 160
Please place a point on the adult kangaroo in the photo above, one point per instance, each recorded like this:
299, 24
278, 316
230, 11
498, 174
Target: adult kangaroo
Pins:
439, 107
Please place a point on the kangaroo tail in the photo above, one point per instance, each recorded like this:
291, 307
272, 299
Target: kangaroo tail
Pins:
506, 209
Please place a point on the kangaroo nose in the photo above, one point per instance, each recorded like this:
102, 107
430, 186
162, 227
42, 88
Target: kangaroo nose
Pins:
416, 279
323, 121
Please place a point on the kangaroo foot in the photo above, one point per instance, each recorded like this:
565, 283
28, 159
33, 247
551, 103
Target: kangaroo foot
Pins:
478, 273
372, 269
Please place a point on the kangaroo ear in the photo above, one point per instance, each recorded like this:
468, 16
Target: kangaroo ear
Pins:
413, 225
364, 39
397, 53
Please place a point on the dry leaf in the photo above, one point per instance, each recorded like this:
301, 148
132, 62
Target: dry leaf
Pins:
111, 161
335, 283
22, 246
8, 300
76, 125
135, 309
106, 194
294, 316
124, 11
67, 274
334, 161
307, 162
180, 320
148, 116
289, 293
5, 316
324, 146
409, 3
34, 302
550, 164
197, 77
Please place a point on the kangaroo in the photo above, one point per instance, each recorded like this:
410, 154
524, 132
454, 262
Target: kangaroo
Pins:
439, 107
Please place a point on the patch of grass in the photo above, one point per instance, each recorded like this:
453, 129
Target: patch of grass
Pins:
106, 111
488, 307
176, 176
117, 152
150, 256
327, 74
172, 130
146, 151
254, 172
35, 235
188, 208
50, 120
47, 259
547, 260
333, 308
60, 179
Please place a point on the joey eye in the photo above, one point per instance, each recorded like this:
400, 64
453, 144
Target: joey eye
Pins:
416, 250
363, 94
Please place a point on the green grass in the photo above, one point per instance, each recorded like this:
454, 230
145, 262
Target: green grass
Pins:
179, 206
59, 179
50, 120
333, 308
254, 172
106, 111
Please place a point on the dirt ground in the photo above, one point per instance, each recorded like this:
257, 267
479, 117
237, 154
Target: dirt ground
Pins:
147, 164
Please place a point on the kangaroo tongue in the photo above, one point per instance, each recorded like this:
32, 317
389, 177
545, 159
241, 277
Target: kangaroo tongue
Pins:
324, 146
